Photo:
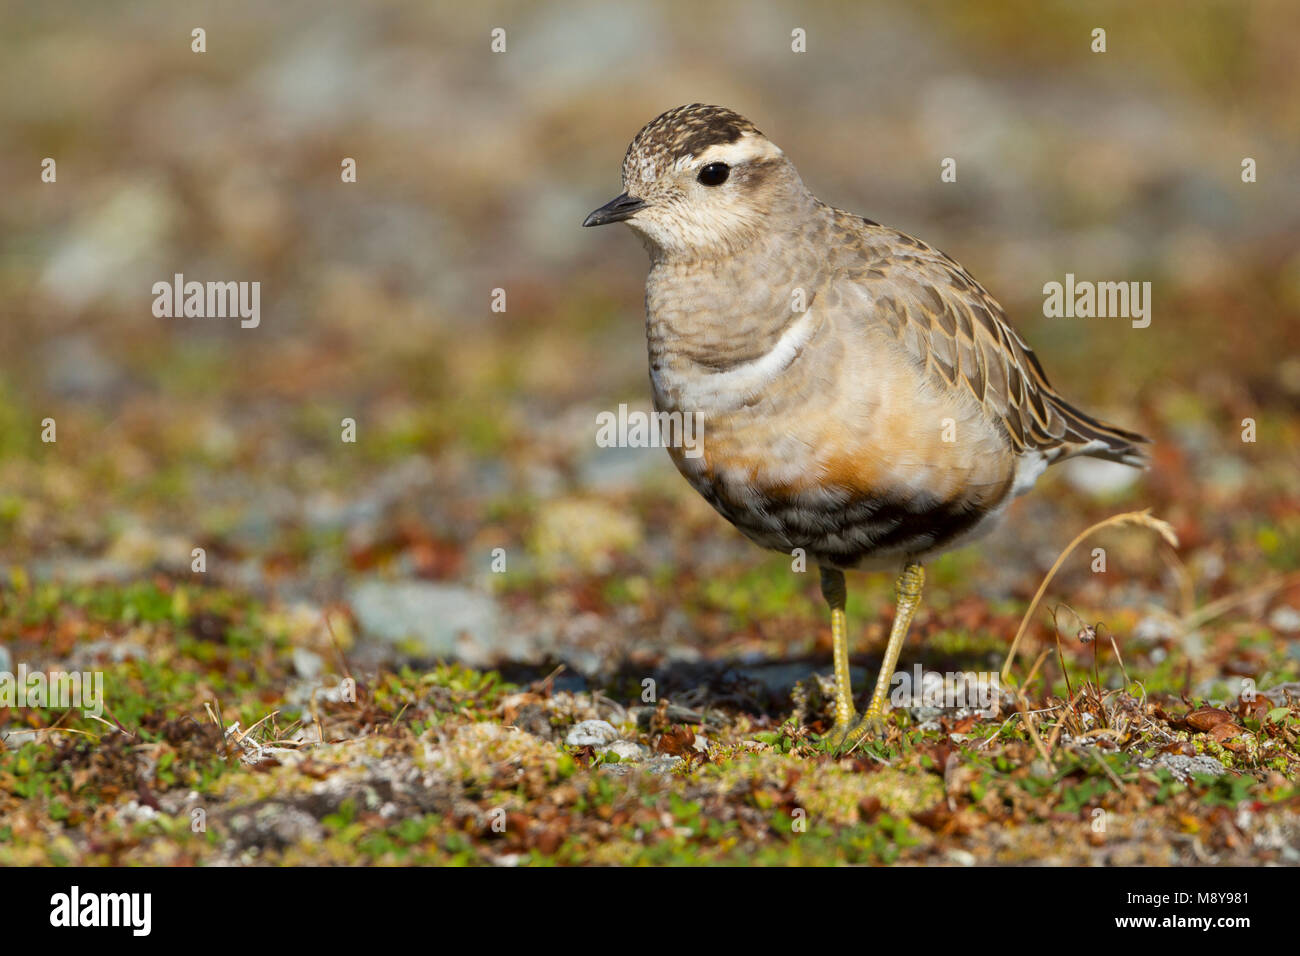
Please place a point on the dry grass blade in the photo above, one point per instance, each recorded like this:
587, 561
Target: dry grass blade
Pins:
1028, 721
1140, 518
1119, 657
1203, 615
1114, 778
1033, 671
1057, 730
114, 726
338, 648
1060, 657
245, 734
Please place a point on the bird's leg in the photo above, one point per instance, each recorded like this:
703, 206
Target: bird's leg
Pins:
908, 590
834, 591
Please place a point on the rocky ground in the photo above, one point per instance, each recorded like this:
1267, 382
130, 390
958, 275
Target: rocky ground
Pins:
472, 635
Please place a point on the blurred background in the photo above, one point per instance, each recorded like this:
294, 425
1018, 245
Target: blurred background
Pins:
476, 429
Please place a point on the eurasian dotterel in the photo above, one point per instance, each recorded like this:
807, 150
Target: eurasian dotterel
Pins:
862, 396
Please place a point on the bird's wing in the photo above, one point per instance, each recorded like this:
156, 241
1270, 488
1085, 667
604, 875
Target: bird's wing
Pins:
957, 333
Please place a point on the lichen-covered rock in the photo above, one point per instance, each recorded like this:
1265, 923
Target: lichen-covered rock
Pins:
592, 733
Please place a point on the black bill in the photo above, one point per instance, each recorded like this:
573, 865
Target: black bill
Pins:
616, 210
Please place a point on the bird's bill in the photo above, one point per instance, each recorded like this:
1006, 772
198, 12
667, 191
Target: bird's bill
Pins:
616, 210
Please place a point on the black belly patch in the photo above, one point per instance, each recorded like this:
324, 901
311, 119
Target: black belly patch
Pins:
845, 535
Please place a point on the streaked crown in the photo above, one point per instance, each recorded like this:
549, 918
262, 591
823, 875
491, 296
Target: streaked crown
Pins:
680, 135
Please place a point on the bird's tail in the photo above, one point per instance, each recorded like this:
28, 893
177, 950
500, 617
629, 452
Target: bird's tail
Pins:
1085, 435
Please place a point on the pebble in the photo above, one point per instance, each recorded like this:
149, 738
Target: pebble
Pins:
592, 733
655, 766
13, 739
1285, 618
1182, 766
307, 664
626, 750
440, 620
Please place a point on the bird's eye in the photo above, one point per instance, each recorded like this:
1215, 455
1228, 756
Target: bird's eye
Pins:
714, 174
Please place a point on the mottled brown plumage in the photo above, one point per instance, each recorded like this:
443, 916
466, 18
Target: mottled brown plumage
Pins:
955, 330
864, 399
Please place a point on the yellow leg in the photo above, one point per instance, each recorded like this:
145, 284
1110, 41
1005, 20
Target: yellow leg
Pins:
835, 593
908, 589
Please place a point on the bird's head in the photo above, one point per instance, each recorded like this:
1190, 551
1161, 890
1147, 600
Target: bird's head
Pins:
701, 182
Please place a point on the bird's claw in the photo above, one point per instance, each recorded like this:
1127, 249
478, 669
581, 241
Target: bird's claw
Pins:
844, 736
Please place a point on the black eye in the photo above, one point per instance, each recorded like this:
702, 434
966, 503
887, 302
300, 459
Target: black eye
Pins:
714, 174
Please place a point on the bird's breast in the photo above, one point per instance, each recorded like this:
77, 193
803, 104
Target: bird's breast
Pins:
829, 447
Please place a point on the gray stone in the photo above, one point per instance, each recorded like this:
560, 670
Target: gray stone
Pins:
663, 764
1182, 766
592, 733
437, 620
13, 739
625, 750
655, 766
1285, 618
307, 664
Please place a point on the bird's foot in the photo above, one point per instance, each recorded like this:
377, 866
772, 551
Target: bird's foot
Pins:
846, 735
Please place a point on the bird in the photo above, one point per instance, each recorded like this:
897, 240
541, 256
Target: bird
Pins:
862, 397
